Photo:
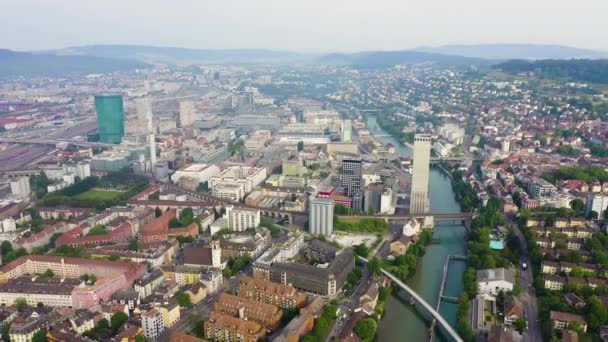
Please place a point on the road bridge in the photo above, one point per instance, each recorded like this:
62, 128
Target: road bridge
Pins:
423, 306
278, 213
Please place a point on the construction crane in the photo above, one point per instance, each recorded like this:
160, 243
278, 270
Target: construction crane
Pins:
144, 112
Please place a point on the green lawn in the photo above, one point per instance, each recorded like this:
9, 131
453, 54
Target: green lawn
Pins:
98, 194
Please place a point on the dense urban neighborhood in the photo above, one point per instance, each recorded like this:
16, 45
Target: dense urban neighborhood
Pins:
321, 202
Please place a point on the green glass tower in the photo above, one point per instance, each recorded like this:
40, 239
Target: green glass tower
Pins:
110, 118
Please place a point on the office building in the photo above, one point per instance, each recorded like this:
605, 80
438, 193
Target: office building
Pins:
186, 113
20, 187
240, 219
324, 281
352, 176
110, 118
321, 216
419, 199
597, 203
199, 173
249, 177
152, 323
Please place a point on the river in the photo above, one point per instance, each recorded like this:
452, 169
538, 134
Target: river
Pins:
401, 321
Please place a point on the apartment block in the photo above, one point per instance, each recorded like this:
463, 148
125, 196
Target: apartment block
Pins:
267, 315
265, 291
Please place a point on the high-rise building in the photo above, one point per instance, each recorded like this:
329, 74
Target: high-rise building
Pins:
20, 187
321, 216
419, 199
352, 176
110, 118
186, 113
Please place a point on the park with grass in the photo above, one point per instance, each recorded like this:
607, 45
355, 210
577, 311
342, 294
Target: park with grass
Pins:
99, 193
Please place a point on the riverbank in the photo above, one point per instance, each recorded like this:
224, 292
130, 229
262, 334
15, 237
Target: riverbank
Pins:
400, 318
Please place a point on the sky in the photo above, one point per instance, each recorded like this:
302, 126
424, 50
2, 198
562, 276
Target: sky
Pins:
301, 25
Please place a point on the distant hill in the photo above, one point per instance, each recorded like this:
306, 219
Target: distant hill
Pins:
584, 70
15, 64
171, 55
515, 51
390, 58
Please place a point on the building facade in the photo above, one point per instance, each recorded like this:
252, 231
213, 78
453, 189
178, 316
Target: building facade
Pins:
110, 118
152, 323
186, 113
240, 219
321, 216
351, 176
20, 187
419, 198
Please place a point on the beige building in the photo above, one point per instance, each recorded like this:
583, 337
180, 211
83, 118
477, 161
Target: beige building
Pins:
186, 113
419, 198
342, 147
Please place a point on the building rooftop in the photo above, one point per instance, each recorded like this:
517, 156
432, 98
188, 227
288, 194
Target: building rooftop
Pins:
496, 274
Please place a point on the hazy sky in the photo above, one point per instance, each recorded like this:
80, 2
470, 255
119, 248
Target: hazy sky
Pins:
301, 25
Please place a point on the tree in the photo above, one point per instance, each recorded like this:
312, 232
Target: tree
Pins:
203, 187
517, 198
117, 320
39, 336
374, 266
577, 205
520, 325
300, 146
133, 245
158, 212
593, 215
186, 217
20, 304
321, 327
366, 329
361, 250
48, 273
598, 313
6, 247
183, 299
5, 332
140, 338
517, 286
174, 223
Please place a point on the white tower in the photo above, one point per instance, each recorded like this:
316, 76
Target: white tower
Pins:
419, 198
216, 254
144, 113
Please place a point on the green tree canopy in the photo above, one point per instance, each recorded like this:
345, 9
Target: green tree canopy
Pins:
366, 329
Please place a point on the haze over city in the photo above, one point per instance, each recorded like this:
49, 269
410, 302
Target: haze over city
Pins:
304, 26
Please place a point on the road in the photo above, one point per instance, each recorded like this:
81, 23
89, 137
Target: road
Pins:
528, 296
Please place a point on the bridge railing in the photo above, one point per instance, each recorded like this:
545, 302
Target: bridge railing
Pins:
452, 334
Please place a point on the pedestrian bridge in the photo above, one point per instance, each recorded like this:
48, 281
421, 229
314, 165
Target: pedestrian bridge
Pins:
427, 309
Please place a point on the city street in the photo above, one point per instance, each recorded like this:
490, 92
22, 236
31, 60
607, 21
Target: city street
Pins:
528, 295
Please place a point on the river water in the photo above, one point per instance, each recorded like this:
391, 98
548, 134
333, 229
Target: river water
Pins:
401, 321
